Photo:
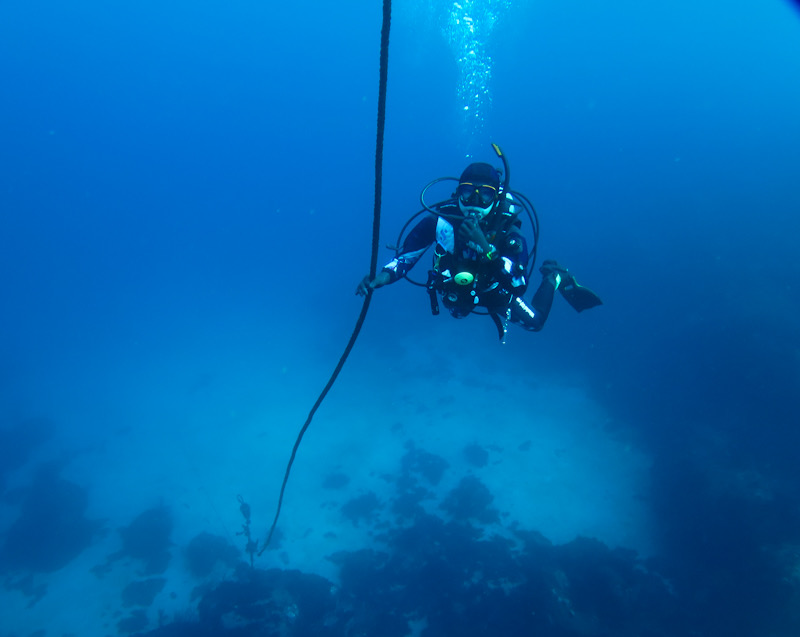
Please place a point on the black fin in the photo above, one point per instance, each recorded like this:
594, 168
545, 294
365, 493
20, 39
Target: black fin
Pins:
579, 297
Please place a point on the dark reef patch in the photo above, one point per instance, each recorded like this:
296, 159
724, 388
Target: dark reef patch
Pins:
471, 500
476, 455
29, 586
336, 480
205, 551
464, 574
142, 592
448, 579
146, 540
364, 508
423, 463
18, 442
51, 529
133, 623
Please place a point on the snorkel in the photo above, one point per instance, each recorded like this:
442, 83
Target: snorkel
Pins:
506, 170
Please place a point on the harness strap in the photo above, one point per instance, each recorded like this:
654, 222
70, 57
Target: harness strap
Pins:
432, 276
499, 324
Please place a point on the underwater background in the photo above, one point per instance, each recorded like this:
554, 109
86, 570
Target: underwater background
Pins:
185, 212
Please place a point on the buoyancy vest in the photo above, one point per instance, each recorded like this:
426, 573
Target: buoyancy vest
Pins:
461, 275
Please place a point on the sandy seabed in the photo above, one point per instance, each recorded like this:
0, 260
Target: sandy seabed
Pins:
546, 453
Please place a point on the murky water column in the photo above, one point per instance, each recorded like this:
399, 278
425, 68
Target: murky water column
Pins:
467, 29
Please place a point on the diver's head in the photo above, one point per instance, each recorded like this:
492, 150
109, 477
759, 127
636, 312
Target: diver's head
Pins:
477, 191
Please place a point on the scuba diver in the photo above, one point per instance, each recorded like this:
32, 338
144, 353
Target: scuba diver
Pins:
481, 258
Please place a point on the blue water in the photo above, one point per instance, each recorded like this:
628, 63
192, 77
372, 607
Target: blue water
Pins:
185, 209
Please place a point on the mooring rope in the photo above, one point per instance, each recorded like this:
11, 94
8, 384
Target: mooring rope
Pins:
373, 265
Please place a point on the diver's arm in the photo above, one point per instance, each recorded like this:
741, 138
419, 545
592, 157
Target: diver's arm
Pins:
416, 243
366, 286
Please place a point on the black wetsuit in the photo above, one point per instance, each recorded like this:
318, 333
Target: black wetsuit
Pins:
466, 279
